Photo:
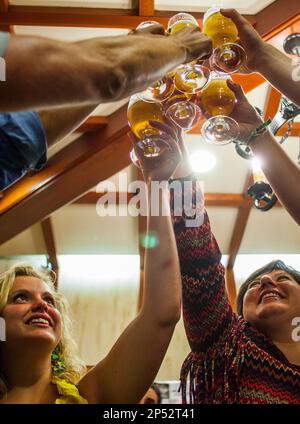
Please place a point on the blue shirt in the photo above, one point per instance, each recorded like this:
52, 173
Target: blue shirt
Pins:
4, 39
23, 146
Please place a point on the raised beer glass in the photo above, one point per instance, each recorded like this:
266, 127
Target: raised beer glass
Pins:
161, 89
218, 100
228, 56
182, 110
139, 114
190, 77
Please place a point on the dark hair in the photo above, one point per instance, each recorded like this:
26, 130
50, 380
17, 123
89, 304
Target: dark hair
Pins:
155, 387
271, 266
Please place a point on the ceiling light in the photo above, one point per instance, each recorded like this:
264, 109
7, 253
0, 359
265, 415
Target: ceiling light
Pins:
202, 161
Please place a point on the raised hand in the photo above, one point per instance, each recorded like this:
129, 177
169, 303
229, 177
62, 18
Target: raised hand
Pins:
196, 44
244, 113
249, 37
163, 166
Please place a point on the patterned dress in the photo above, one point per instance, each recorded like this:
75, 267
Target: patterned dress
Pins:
230, 361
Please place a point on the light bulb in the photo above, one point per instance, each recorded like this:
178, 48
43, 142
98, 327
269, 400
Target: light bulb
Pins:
202, 161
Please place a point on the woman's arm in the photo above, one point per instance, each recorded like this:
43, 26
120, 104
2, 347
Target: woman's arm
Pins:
282, 173
206, 309
132, 364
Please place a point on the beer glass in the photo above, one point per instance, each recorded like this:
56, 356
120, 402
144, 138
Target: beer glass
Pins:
182, 110
190, 77
179, 21
228, 56
139, 114
218, 100
146, 24
159, 91
134, 159
162, 89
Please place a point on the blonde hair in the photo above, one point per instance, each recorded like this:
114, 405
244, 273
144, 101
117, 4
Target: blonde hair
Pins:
74, 366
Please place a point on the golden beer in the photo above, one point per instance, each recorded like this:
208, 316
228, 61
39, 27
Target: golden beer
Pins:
221, 29
181, 25
181, 21
159, 91
139, 113
191, 78
176, 97
217, 98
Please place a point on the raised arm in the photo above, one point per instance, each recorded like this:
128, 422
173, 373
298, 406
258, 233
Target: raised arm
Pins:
41, 72
282, 173
271, 63
206, 309
132, 364
60, 122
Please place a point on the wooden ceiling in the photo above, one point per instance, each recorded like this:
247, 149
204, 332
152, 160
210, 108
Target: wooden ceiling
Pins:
72, 172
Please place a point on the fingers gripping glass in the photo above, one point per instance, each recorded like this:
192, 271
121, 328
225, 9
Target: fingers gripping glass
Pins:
140, 113
190, 77
228, 56
219, 101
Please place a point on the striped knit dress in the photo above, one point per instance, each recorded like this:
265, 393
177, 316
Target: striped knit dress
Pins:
230, 361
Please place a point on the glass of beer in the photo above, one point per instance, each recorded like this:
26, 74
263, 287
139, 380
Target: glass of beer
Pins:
182, 110
146, 24
179, 21
159, 91
134, 159
228, 56
139, 114
190, 77
218, 100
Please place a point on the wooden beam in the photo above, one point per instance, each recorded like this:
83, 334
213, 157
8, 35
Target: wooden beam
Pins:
87, 17
4, 5
231, 287
248, 82
272, 102
92, 197
48, 234
240, 224
232, 200
93, 123
276, 17
295, 130
146, 8
70, 173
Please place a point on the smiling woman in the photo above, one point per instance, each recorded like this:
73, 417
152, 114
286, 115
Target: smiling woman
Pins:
37, 362
35, 313
282, 272
250, 357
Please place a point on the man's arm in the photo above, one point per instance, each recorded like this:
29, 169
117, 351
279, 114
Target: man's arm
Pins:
60, 122
41, 72
265, 59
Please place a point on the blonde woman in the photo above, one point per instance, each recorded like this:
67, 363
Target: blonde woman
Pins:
38, 363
